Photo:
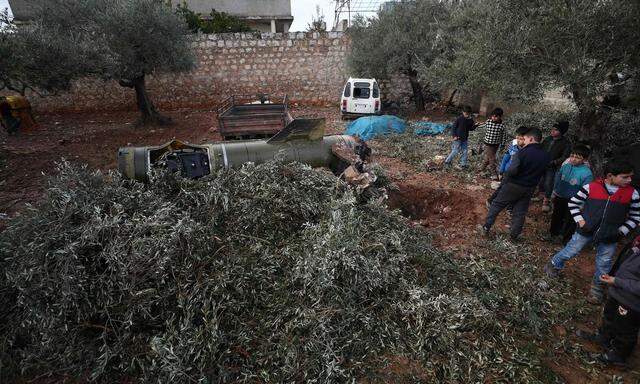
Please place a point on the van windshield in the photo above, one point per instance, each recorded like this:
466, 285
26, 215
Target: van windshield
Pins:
361, 90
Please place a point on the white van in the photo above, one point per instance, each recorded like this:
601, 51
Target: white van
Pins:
360, 97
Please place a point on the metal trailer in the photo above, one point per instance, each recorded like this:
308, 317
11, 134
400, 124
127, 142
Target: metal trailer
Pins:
302, 140
240, 118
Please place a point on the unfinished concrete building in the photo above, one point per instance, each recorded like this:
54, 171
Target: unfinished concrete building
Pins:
261, 15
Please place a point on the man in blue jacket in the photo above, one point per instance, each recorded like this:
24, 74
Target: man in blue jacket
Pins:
520, 181
618, 333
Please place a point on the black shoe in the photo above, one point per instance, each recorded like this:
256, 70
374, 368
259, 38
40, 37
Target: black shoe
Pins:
486, 232
611, 358
515, 239
593, 337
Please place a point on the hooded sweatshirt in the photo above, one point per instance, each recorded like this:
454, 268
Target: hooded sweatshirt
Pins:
570, 178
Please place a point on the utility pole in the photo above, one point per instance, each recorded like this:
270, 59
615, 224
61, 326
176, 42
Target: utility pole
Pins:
341, 6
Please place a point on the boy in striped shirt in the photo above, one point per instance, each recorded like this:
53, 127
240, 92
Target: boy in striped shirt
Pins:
605, 210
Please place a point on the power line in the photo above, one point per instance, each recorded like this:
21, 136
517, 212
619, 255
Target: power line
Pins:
348, 7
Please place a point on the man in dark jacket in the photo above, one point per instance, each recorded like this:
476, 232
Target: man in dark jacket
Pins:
618, 333
605, 210
460, 134
559, 148
521, 178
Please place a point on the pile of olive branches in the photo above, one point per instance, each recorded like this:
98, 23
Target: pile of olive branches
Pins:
268, 273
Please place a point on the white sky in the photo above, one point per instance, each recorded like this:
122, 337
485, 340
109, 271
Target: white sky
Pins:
4, 4
303, 12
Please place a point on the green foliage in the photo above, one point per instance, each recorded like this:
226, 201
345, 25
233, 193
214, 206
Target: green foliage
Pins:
404, 38
38, 60
401, 39
118, 39
519, 49
215, 22
266, 273
318, 23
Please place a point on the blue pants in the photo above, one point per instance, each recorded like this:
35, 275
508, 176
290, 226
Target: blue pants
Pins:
604, 255
457, 147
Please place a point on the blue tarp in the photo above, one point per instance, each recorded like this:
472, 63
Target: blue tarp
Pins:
371, 126
427, 128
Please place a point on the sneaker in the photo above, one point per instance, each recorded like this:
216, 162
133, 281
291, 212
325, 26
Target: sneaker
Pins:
546, 208
593, 337
551, 271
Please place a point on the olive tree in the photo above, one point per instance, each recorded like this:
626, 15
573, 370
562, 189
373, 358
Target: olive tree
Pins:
403, 39
121, 40
36, 60
518, 49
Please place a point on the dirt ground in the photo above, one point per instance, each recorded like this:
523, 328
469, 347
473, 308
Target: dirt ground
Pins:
448, 205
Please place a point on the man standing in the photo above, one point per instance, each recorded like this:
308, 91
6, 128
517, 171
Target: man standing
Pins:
521, 179
559, 148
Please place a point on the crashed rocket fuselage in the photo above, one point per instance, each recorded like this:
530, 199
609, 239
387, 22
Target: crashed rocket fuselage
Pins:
302, 141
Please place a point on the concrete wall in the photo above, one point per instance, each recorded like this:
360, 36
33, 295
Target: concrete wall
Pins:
309, 67
240, 7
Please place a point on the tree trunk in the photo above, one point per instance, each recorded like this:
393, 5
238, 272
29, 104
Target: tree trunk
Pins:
591, 128
418, 97
149, 114
450, 100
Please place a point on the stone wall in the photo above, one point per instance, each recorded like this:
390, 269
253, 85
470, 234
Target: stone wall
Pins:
309, 67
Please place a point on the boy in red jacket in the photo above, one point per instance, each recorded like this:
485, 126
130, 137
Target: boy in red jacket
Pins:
605, 210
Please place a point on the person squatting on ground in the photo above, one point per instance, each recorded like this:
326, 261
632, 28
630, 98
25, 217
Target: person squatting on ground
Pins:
559, 148
573, 174
516, 145
460, 133
521, 179
494, 137
618, 332
605, 210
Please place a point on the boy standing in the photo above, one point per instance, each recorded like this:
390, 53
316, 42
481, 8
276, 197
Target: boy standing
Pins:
618, 333
460, 133
524, 173
559, 147
605, 211
569, 179
516, 145
494, 137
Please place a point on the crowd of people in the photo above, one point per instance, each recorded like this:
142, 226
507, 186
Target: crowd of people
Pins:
586, 209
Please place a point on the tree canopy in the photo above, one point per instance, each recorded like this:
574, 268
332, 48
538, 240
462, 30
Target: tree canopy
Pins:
215, 22
512, 49
402, 39
123, 40
519, 49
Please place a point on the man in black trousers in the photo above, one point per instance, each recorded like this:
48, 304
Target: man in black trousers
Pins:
520, 181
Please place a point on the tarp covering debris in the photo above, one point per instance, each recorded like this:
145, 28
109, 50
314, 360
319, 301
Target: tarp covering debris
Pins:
428, 128
370, 127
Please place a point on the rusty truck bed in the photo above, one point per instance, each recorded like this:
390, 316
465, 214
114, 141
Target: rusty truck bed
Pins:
240, 118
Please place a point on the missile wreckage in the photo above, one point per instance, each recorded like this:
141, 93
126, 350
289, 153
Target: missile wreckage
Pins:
301, 140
